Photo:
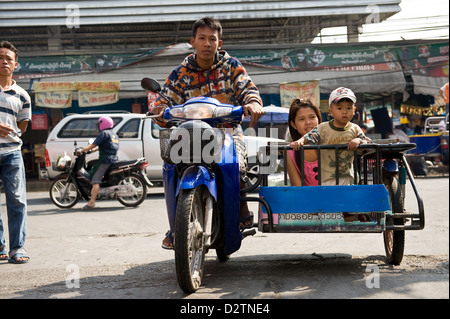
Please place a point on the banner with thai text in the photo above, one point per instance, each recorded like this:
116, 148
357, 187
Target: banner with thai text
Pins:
307, 91
53, 94
60, 100
429, 59
105, 86
88, 98
44, 66
97, 93
90, 93
53, 86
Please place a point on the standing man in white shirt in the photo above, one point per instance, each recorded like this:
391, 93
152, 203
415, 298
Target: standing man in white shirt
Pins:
15, 113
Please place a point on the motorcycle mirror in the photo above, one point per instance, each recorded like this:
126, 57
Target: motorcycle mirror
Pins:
153, 86
150, 85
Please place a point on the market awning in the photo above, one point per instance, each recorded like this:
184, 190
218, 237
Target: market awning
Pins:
427, 85
268, 80
359, 82
365, 68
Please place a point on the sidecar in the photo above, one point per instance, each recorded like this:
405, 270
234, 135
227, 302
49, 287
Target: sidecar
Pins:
380, 174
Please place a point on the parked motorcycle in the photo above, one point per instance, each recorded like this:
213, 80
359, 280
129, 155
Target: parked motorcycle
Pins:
201, 183
126, 181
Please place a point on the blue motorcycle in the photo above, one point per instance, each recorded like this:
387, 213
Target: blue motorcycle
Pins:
201, 182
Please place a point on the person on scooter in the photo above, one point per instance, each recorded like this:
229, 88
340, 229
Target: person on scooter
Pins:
108, 145
212, 72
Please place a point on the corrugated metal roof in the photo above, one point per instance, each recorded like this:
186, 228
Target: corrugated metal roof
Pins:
52, 26
52, 13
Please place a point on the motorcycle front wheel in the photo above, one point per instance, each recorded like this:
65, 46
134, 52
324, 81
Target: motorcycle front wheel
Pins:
64, 194
140, 193
189, 238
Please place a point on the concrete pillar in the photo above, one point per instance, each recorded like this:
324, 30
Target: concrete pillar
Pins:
54, 38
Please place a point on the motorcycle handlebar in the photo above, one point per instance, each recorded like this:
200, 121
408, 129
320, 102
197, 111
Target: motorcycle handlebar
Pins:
78, 153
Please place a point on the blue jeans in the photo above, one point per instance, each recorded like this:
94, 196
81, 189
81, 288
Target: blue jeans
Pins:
12, 174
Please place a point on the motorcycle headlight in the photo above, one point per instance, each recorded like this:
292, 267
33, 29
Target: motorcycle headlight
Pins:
198, 111
176, 112
223, 111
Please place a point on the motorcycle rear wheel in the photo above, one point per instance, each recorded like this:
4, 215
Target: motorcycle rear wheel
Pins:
141, 191
189, 238
64, 194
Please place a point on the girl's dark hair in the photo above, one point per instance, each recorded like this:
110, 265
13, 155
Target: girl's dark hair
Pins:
207, 22
297, 104
8, 45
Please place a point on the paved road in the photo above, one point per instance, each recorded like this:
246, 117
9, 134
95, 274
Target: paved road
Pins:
114, 252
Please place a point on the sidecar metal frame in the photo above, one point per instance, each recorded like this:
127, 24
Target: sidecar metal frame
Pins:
320, 208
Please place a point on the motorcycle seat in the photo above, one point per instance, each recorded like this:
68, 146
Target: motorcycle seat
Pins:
121, 164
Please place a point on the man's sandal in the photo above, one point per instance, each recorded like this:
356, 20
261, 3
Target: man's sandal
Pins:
4, 255
243, 221
167, 242
15, 259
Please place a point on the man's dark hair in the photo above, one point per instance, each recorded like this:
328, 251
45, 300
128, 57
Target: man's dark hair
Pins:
8, 45
207, 22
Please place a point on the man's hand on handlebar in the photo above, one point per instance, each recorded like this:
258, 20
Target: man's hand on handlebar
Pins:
159, 110
255, 110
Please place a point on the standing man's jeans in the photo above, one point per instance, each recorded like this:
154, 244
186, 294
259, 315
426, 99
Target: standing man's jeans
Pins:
12, 174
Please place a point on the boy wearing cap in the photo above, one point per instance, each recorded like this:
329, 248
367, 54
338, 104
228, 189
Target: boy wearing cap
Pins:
339, 130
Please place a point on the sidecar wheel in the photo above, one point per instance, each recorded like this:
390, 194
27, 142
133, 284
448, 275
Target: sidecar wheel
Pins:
394, 240
189, 238
64, 194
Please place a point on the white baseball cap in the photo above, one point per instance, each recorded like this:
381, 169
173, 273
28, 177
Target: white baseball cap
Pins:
341, 93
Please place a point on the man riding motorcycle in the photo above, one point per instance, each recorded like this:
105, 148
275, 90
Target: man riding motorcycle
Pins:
214, 73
